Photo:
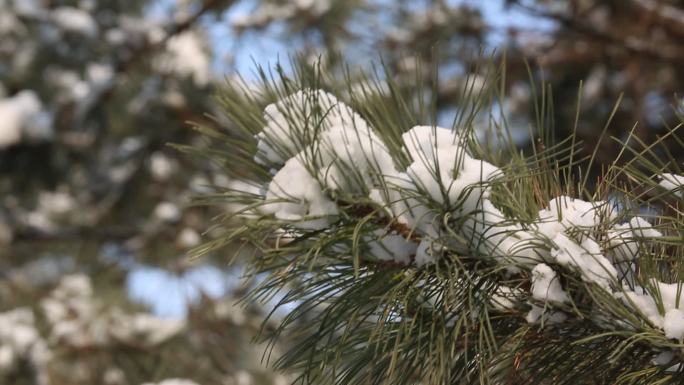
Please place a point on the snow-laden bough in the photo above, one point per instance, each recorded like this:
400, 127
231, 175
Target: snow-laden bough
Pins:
322, 154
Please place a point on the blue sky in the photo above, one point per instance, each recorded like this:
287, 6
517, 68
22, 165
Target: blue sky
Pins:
255, 47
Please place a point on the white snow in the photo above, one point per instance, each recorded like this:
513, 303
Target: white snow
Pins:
672, 182
424, 142
99, 74
246, 189
624, 239
673, 324
161, 166
188, 238
294, 194
320, 141
424, 253
74, 286
9, 23
20, 339
353, 159
538, 315
564, 213
546, 285
167, 212
441, 171
75, 20
644, 303
29, 8
392, 247
115, 36
17, 115
442, 168
671, 294
55, 203
586, 257
292, 121
7, 358
188, 57
492, 234
506, 298
17, 329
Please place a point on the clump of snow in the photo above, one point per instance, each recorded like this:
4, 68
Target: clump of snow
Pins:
425, 254
672, 182
647, 301
115, 36
292, 121
19, 115
325, 147
248, 190
442, 168
624, 239
673, 324
186, 56
426, 142
72, 314
55, 204
564, 213
21, 340
506, 298
392, 247
294, 194
29, 8
506, 240
353, 158
188, 238
586, 257
99, 74
167, 212
644, 303
161, 166
76, 20
69, 84
442, 172
546, 286
114, 376
671, 294
10, 23
539, 314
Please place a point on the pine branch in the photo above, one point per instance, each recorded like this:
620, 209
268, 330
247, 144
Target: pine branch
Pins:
406, 257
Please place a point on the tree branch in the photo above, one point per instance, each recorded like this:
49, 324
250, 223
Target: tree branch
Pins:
672, 54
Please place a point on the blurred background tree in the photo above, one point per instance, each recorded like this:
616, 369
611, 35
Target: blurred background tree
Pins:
91, 91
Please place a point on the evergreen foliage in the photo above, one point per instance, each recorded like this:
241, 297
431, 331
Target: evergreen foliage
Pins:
408, 254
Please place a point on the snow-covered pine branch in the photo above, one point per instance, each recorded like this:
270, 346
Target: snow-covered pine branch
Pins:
335, 194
